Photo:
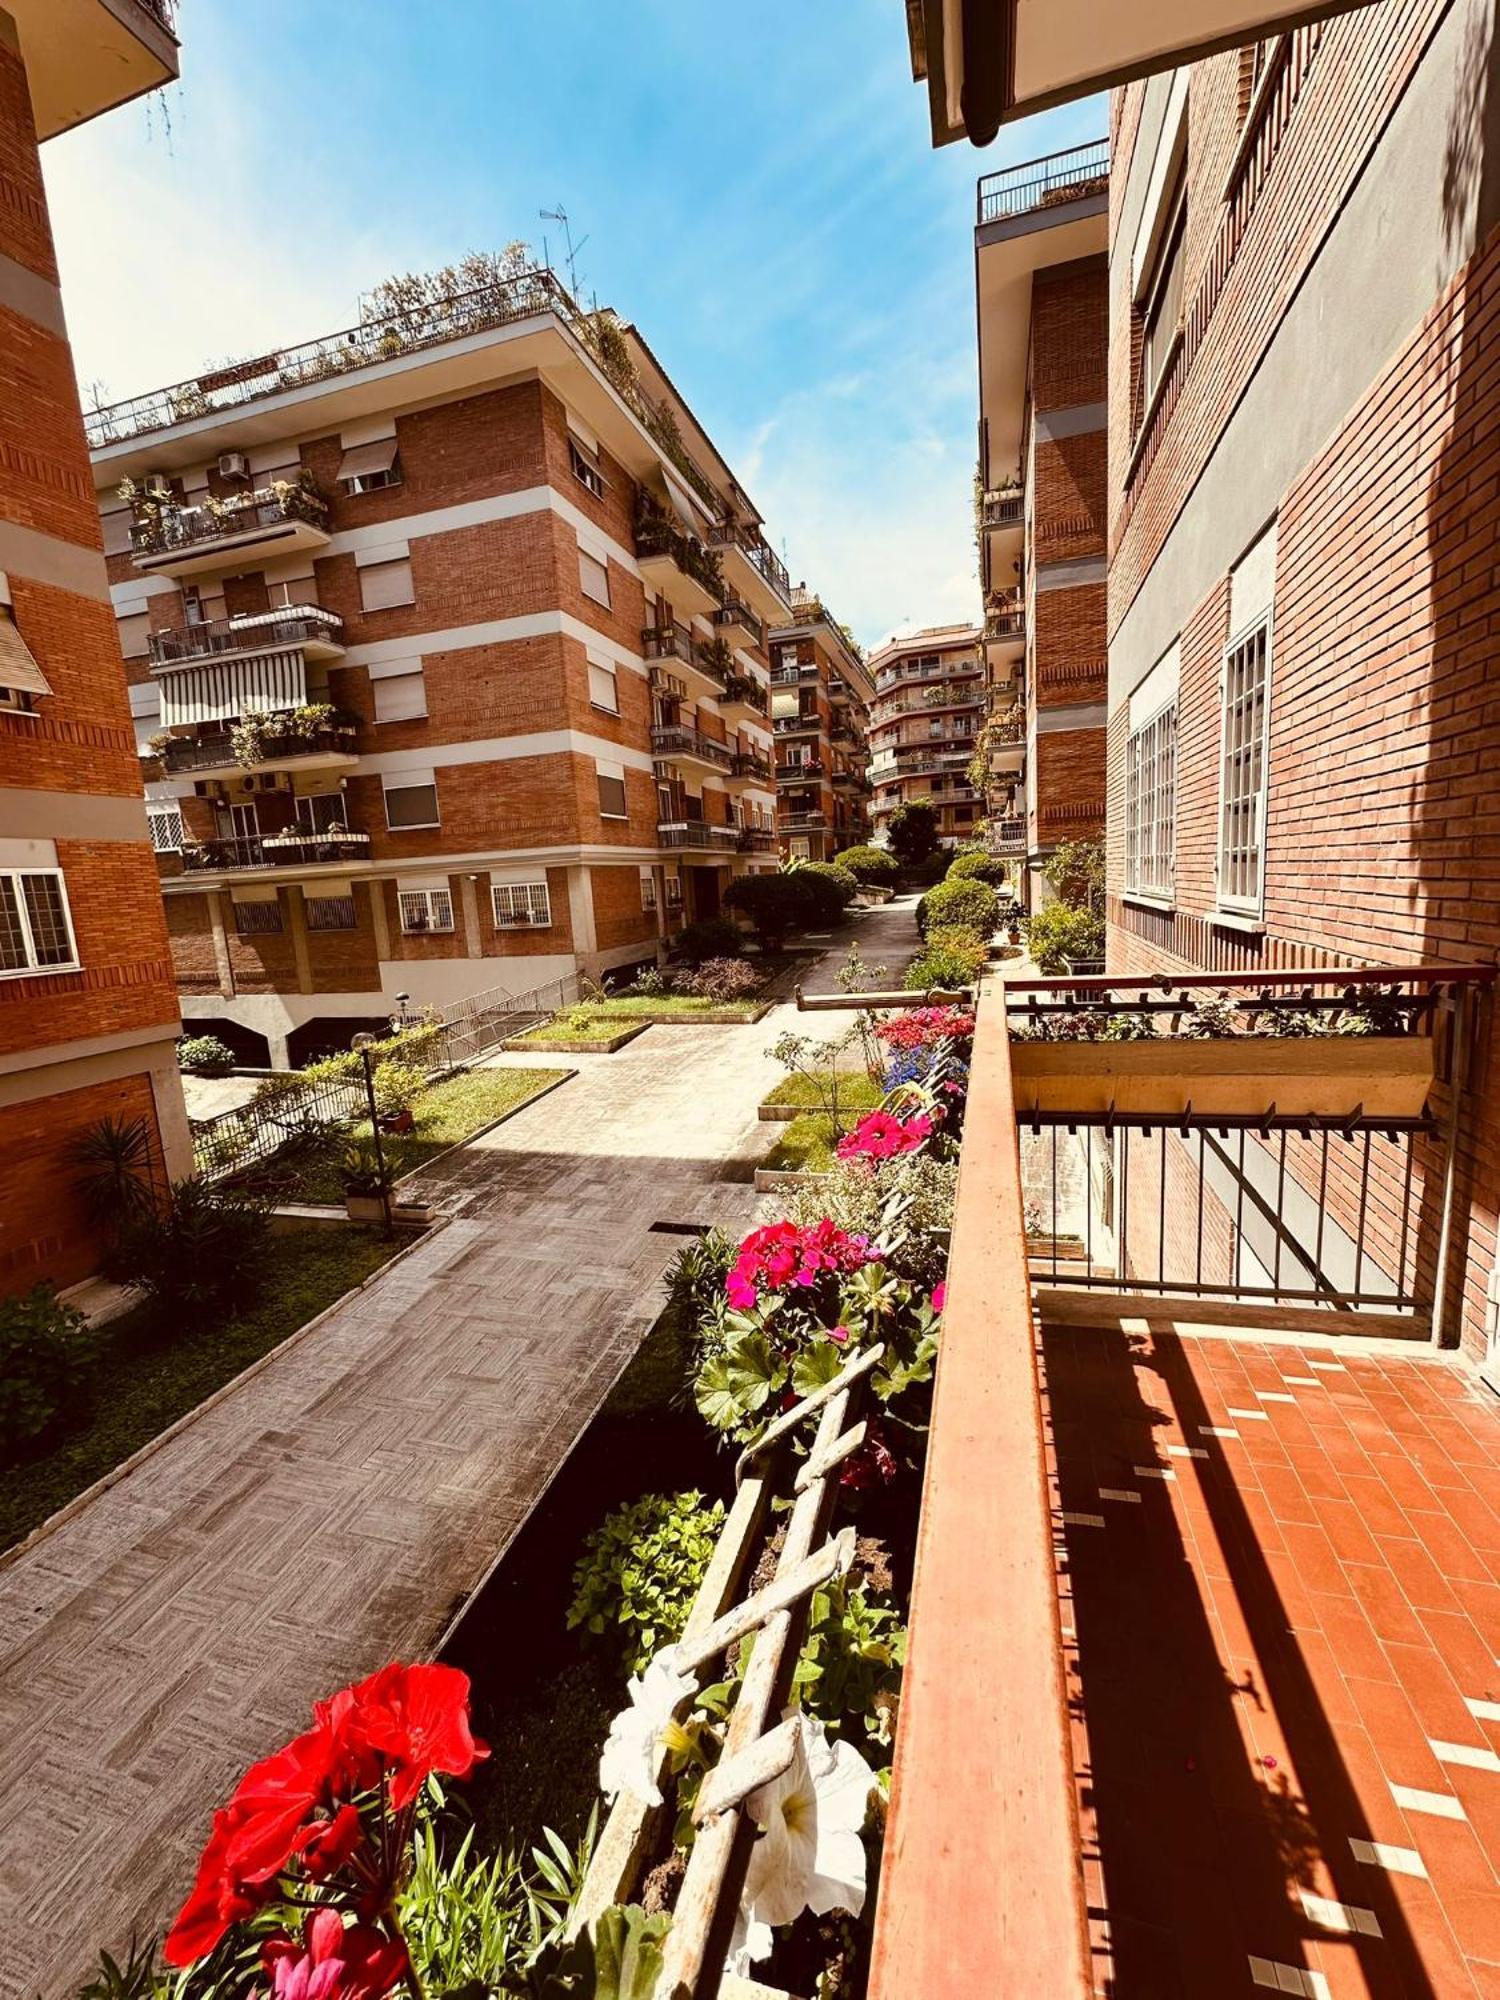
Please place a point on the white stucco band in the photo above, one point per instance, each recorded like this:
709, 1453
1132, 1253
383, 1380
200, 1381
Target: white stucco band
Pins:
1392, 248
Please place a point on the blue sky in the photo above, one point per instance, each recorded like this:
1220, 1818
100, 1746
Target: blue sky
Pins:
755, 184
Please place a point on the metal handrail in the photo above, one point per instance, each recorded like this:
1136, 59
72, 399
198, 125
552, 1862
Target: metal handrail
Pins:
677, 740
758, 549
187, 753
696, 833
215, 636
1043, 183
171, 525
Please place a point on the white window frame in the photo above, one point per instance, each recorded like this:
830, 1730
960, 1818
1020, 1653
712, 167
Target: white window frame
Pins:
1250, 748
171, 841
436, 906
1151, 806
16, 879
648, 892
414, 783
374, 482
587, 474
674, 892
521, 906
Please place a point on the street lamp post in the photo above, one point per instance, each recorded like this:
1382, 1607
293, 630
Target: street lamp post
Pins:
364, 1042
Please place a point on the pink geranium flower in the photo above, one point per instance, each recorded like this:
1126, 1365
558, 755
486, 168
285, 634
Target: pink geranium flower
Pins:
781, 1255
881, 1135
940, 1296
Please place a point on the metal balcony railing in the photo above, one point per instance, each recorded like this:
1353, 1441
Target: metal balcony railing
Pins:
1044, 183
696, 833
656, 534
914, 670
676, 642
733, 613
677, 740
753, 544
751, 764
809, 767
797, 725
190, 753
290, 849
790, 676
756, 840
162, 526
801, 822
740, 689
298, 625
1004, 508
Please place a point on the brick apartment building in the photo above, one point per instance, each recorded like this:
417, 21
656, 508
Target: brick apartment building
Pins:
1043, 299
820, 698
447, 647
88, 1013
1303, 452
931, 700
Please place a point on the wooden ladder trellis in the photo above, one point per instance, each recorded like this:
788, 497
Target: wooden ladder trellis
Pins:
753, 1755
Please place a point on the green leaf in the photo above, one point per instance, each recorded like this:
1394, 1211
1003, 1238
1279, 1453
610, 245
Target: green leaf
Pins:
816, 1365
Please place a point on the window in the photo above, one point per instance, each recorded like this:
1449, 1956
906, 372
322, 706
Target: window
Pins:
400, 697
1163, 306
593, 577
257, 919
604, 690
331, 913
648, 890
382, 585
165, 824
14, 702
322, 812
1242, 770
519, 905
20, 675
1150, 804
36, 931
674, 892
585, 471
612, 796
366, 468
134, 627
425, 910
411, 803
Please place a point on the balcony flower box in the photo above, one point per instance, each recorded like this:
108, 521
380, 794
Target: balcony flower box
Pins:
1317, 1076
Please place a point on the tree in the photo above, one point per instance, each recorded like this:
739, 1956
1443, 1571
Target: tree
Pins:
913, 831
1076, 872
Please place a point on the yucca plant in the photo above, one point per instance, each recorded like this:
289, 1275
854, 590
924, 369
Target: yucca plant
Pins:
115, 1177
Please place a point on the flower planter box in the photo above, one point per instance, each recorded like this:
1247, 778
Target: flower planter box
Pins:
1324, 1076
769, 1179
364, 1207
404, 1214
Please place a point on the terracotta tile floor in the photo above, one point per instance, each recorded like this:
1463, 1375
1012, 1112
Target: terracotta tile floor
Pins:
1280, 1569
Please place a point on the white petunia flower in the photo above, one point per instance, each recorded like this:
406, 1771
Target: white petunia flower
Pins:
631, 1750
810, 1855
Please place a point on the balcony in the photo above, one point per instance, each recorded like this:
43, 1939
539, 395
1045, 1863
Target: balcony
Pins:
911, 671
1047, 183
676, 565
738, 625
807, 767
698, 835
753, 571
279, 850
743, 699
800, 822
1008, 836
751, 768
271, 744
84, 57
756, 840
169, 538
700, 671
1005, 627
678, 744
795, 676
1004, 508
318, 633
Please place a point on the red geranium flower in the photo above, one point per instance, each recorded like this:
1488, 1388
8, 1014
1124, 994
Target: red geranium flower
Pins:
417, 1720
883, 1136
333, 1963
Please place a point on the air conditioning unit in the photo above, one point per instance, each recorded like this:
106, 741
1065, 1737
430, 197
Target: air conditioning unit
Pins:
233, 465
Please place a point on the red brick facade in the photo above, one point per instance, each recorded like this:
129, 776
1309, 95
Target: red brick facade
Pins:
929, 710
820, 692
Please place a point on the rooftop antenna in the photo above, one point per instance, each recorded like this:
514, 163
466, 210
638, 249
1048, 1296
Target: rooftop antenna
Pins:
560, 214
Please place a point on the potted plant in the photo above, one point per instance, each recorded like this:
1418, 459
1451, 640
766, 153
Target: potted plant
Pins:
368, 1177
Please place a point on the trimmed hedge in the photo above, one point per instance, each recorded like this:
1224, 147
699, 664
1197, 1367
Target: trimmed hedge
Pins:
959, 902
843, 880
977, 866
1059, 932
872, 867
812, 898
956, 954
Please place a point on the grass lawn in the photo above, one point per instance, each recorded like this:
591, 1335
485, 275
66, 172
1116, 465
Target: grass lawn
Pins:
446, 1115
856, 1091
806, 1144
601, 1020
149, 1370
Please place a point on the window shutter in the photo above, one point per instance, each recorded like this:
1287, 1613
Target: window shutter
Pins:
385, 585
400, 697
603, 688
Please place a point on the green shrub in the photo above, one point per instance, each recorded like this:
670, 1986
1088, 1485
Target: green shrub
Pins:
1059, 933
44, 1353
207, 1248
871, 867
721, 979
974, 865
912, 830
811, 897
204, 1055
955, 956
398, 1085
844, 881
640, 1570
710, 937
959, 902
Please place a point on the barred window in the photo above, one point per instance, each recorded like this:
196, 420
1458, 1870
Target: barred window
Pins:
1151, 804
257, 919
165, 823
521, 904
425, 910
674, 892
36, 930
331, 913
1242, 770
648, 890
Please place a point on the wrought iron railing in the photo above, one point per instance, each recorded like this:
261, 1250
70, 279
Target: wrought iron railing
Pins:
192, 753
161, 527
756, 840
676, 642
740, 690
1044, 183
751, 764
656, 534
753, 544
696, 833
282, 850
734, 613
212, 638
799, 822
677, 740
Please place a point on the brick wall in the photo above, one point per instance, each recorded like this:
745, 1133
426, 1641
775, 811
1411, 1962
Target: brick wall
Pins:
43, 1230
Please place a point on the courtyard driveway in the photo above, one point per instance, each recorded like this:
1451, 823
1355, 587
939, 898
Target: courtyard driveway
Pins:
336, 1509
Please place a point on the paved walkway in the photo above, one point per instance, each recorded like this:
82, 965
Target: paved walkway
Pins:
334, 1511
1282, 1627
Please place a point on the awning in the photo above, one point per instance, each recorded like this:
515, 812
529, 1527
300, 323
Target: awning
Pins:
255, 682
689, 516
363, 459
17, 668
